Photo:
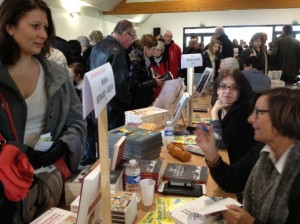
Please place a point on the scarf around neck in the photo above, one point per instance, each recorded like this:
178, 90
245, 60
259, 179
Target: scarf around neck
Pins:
157, 60
267, 192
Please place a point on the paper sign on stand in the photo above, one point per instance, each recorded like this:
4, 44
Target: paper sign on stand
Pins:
190, 61
98, 90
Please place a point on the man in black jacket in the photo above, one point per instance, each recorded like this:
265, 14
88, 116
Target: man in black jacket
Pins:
112, 49
286, 55
227, 47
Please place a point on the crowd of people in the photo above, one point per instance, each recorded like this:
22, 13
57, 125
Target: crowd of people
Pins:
256, 124
143, 60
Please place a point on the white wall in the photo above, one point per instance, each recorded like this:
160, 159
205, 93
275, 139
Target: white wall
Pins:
69, 27
176, 21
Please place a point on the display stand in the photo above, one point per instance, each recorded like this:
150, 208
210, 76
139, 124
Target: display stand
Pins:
190, 83
98, 90
189, 61
104, 165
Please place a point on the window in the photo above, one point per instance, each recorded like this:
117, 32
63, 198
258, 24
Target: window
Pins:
236, 32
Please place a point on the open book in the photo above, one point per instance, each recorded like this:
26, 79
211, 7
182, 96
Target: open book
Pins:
203, 207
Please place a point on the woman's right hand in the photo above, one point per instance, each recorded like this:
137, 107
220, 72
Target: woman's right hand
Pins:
160, 81
206, 141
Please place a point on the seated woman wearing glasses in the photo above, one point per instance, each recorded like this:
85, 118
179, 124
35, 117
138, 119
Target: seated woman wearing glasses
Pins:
141, 80
273, 176
229, 113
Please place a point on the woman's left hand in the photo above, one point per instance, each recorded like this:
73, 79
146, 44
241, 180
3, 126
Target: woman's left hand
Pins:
236, 215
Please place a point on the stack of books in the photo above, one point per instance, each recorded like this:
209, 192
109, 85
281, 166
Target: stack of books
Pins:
150, 169
154, 115
123, 207
116, 182
182, 172
73, 186
139, 144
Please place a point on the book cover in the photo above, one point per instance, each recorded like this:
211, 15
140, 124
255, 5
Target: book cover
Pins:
55, 216
73, 186
166, 204
186, 172
89, 211
166, 76
185, 138
150, 167
118, 152
123, 207
149, 218
163, 206
147, 112
202, 207
116, 183
147, 126
134, 134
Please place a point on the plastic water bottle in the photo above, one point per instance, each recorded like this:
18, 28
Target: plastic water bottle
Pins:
168, 134
133, 177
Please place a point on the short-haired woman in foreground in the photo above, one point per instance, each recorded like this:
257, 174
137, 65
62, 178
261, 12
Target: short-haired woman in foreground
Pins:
271, 193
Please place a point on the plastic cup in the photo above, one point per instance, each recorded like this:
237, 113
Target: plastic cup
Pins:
147, 191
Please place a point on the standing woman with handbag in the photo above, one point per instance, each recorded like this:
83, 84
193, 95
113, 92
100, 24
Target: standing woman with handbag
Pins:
42, 100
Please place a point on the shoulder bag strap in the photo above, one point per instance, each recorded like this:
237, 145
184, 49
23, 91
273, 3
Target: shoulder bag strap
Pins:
10, 119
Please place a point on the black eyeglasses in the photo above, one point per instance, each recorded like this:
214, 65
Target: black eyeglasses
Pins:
223, 86
132, 36
257, 111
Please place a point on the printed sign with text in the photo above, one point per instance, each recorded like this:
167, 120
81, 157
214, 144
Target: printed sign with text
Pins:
98, 89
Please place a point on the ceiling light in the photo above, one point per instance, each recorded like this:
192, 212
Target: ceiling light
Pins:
74, 14
74, 5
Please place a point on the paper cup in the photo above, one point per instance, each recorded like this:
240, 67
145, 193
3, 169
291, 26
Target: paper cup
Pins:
147, 191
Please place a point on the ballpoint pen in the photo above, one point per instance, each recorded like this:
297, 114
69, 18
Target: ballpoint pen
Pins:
204, 128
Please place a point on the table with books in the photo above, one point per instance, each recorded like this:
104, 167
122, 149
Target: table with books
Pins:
212, 189
156, 163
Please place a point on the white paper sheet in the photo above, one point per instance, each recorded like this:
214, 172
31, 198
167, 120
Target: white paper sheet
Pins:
98, 89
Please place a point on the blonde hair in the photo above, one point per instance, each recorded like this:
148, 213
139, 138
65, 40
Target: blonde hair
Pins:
211, 45
193, 43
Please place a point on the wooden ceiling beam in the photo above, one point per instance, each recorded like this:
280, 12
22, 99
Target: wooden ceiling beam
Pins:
199, 5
